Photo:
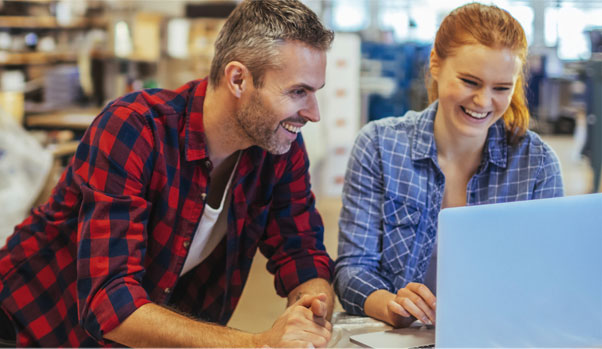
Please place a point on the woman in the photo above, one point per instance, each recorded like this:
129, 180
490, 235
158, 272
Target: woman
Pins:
471, 146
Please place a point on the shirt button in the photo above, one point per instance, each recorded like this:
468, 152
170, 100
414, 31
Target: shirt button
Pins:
167, 290
208, 163
186, 244
203, 196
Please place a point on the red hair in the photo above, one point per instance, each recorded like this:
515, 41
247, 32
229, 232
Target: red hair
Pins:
493, 27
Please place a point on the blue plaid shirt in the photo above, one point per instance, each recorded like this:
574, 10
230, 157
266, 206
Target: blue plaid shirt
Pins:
393, 193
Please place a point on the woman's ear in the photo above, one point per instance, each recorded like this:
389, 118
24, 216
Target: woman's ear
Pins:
237, 78
434, 65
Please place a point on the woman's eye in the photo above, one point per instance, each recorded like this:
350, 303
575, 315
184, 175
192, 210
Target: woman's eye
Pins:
469, 82
501, 88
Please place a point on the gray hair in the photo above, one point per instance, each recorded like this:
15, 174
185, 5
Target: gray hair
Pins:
254, 31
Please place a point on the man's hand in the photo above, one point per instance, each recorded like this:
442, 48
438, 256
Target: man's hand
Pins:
413, 300
314, 287
302, 325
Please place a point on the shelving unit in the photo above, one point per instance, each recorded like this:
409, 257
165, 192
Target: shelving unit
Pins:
76, 119
55, 53
45, 49
26, 58
38, 22
36, 39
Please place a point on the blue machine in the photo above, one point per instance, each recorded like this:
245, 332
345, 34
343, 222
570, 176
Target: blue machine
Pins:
406, 64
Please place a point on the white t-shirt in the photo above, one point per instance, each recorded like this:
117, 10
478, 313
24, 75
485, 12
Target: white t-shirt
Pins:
211, 229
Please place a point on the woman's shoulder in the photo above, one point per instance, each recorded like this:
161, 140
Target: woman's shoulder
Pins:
534, 142
533, 145
398, 127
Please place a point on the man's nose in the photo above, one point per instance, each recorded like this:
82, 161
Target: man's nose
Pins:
311, 112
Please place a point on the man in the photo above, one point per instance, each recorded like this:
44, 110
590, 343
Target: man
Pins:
170, 193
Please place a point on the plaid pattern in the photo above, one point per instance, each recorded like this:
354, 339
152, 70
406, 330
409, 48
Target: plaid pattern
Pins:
114, 234
393, 193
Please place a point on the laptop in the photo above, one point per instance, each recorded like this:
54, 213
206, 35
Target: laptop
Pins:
519, 274
412, 337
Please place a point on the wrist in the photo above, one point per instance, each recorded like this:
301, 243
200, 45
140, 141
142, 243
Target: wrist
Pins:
258, 340
376, 306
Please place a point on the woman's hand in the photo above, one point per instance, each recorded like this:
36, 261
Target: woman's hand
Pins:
413, 300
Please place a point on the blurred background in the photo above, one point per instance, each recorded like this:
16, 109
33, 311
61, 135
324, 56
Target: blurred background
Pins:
61, 61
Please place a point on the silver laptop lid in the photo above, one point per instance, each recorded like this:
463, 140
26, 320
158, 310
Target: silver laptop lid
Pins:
521, 274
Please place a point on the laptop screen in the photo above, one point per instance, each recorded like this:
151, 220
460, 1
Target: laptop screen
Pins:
521, 274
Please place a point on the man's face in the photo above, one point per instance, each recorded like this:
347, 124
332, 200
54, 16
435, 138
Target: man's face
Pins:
271, 116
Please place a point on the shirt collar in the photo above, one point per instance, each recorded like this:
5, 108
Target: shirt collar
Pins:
424, 146
195, 141
496, 144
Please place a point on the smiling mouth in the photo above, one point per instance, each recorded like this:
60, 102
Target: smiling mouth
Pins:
474, 114
290, 128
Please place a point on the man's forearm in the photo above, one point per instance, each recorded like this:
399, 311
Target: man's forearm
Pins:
313, 287
154, 326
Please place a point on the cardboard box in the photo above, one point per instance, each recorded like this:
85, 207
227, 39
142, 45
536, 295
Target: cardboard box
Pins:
13, 103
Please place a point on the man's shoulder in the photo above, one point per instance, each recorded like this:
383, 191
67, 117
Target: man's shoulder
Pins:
158, 101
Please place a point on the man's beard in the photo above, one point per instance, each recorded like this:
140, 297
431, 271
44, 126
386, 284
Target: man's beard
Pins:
256, 121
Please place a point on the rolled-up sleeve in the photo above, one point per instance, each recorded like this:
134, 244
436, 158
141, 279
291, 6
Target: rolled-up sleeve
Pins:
360, 226
110, 166
294, 239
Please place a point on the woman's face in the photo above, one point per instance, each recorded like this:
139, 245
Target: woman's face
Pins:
475, 87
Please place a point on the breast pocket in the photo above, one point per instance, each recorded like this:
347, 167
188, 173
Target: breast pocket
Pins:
400, 223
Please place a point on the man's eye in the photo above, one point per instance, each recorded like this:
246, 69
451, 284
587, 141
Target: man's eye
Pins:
299, 92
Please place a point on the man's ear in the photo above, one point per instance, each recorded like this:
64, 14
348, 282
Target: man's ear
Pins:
434, 65
237, 78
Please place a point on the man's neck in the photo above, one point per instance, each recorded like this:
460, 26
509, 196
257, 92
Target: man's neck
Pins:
221, 131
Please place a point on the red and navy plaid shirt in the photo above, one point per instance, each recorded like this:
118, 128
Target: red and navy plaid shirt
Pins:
115, 232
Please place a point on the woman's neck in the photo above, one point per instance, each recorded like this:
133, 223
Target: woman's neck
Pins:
465, 152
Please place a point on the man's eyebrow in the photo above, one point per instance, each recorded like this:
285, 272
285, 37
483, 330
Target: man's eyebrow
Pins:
307, 87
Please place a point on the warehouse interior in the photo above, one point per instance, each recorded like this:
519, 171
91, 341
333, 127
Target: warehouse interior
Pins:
61, 61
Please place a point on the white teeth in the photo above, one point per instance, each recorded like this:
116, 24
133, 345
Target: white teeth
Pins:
291, 128
474, 114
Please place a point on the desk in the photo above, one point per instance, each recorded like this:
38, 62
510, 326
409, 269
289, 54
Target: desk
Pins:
345, 326
70, 119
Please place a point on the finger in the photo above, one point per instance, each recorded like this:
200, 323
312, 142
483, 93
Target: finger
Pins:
307, 335
318, 329
321, 321
413, 309
318, 341
297, 344
430, 313
318, 307
424, 292
304, 319
395, 308
411, 291
307, 299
